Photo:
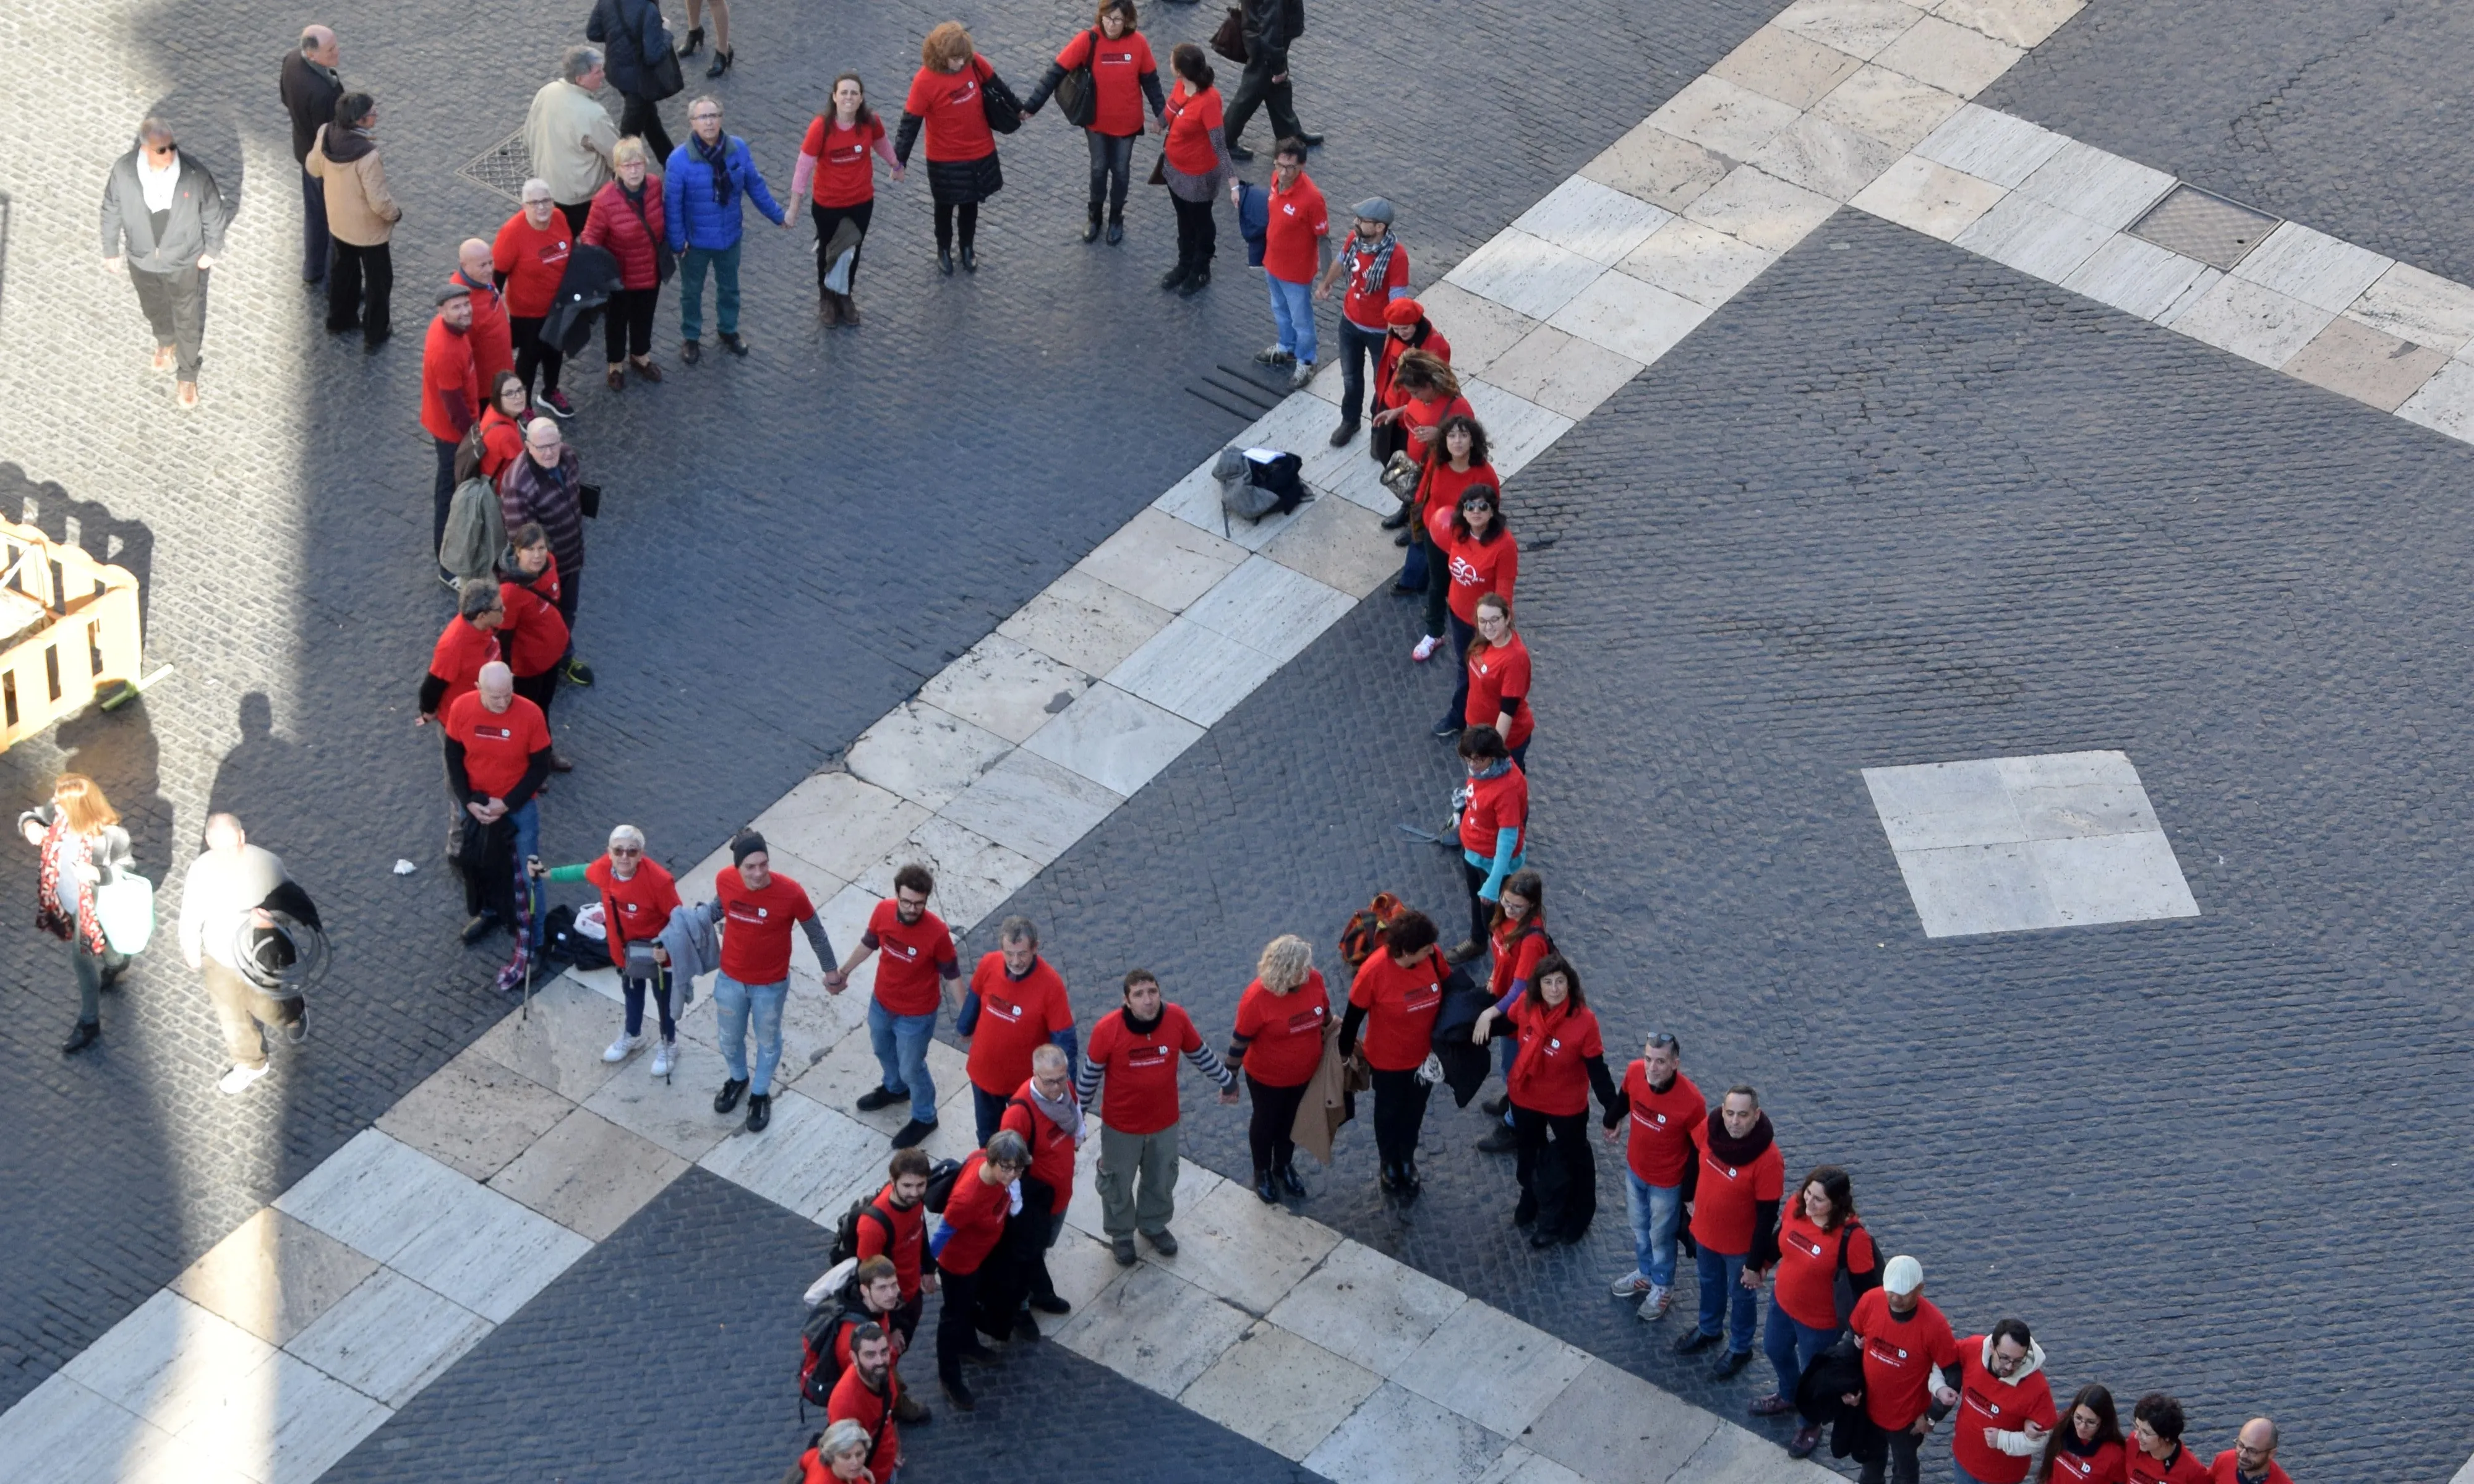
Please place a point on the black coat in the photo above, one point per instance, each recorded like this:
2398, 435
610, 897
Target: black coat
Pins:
591, 276
310, 93
1271, 26
631, 34
1465, 1062
1835, 1373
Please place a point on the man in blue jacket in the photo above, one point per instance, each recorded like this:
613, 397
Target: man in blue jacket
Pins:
707, 179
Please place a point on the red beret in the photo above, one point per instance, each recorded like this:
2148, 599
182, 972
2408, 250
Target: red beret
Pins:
1403, 311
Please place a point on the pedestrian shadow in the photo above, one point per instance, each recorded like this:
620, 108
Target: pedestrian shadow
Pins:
259, 780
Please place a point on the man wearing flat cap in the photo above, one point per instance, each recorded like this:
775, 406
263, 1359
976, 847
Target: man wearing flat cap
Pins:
451, 392
1377, 270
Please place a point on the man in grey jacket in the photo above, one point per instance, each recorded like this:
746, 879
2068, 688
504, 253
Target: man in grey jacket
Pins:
162, 212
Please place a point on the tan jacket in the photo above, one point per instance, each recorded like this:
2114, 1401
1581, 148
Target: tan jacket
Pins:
568, 134
1328, 1101
358, 208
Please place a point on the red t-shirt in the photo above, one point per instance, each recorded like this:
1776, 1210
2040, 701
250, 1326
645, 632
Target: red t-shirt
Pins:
2226, 1467
534, 260
1659, 1146
2104, 1466
1284, 1032
1724, 1198
1400, 1006
1440, 493
909, 957
1360, 306
1140, 1071
976, 1215
1298, 222
1498, 803
447, 367
458, 656
852, 1399
536, 630
1016, 1019
1419, 412
1550, 1073
844, 175
1480, 567
1807, 1279
490, 337
1117, 76
2140, 1469
906, 1244
499, 746
1052, 1148
1514, 951
1497, 673
1899, 1355
1986, 1401
756, 925
951, 113
638, 908
843, 1332
1194, 120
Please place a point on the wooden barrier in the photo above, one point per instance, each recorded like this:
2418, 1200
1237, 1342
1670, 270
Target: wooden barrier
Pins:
69, 627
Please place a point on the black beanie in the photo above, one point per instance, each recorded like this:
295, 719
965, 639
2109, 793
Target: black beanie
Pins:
744, 844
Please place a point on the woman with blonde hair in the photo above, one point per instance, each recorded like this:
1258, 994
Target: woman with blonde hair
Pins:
83, 848
627, 222
1277, 1043
948, 99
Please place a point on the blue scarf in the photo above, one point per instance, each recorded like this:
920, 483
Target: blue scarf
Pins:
716, 156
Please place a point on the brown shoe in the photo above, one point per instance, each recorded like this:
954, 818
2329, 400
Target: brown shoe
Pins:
647, 370
828, 308
850, 310
560, 762
1464, 950
617, 378
909, 1409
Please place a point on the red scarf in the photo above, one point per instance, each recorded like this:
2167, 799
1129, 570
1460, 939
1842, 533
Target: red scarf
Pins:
47, 913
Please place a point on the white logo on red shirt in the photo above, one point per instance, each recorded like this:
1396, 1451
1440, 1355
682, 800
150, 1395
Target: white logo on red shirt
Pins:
1003, 1011
503, 733
901, 951
1147, 1054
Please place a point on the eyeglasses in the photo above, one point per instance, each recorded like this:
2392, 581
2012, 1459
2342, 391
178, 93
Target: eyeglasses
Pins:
626, 849
537, 201
909, 900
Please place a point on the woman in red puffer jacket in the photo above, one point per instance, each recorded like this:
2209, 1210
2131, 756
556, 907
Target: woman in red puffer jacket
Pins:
627, 222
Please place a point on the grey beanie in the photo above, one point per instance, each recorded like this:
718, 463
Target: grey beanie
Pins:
1374, 208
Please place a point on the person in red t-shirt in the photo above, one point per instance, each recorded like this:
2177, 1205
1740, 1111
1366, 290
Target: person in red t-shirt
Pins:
1296, 249
1045, 1112
894, 1225
450, 394
867, 1395
467, 643
1195, 163
491, 334
945, 102
2156, 1455
1515, 940
1134, 1054
1662, 1110
1123, 77
1396, 996
834, 155
2005, 1407
2088, 1448
1494, 830
528, 259
1376, 267
535, 632
969, 1246
902, 1014
1479, 557
1561, 1061
1277, 1043
2252, 1459
1819, 1232
757, 907
498, 757
1731, 1189
1907, 1346
1497, 677
1016, 1003
836, 1455
637, 899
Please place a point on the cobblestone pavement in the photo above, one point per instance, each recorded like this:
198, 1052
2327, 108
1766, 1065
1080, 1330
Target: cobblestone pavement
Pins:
2342, 116
1990, 518
758, 591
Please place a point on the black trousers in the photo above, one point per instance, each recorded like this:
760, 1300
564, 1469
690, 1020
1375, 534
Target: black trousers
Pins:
175, 305
1558, 1173
534, 353
1198, 234
1256, 89
570, 591
1113, 164
1464, 635
1267, 1133
541, 690
1359, 350
442, 490
627, 323
1481, 910
989, 1110
1904, 1466
1399, 1114
315, 243
576, 214
949, 216
643, 117
984, 1300
360, 288
1032, 1232
827, 219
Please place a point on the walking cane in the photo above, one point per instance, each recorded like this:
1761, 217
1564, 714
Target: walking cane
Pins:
524, 938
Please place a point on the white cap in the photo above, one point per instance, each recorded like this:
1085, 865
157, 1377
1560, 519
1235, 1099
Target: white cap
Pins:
1902, 1274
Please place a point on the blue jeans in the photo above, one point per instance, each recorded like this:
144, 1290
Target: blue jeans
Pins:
901, 1043
1657, 1212
1791, 1345
734, 1005
1293, 311
724, 262
1723, 1295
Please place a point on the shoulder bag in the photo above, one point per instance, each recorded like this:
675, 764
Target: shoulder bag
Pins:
997, 101
125, 906
1229, 41
1077, 92
1845, 1286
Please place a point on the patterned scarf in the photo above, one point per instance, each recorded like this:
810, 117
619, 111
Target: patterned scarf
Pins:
717, 158
47, 914
1372, 271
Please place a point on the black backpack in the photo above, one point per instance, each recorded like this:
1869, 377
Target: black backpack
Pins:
564, 944
845, 1248
941, 1183
1847, 1286
818, 1369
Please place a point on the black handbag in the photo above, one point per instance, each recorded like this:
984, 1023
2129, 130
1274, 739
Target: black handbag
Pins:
998, 102
1385, 439
1845, 1287
587, 500
1229, 41
663, 75
1077, 92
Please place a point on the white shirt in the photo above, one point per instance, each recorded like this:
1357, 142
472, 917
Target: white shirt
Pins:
156, 183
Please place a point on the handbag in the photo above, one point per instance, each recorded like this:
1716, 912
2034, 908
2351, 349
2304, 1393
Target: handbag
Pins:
997, 101
1385, 440
1844, 1287
1229, 41
1077, 92
587, 500
1402, 475
125, 906
1159, 169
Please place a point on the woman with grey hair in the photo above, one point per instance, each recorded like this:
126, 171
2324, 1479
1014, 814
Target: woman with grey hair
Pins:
637, 899
1277, 1043
840, 1452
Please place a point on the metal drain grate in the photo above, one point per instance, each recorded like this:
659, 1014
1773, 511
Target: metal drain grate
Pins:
2197, 223
504, 167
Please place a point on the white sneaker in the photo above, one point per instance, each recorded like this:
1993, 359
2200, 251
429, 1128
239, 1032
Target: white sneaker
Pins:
623, 1047
1631, 1285
1654, 1308
1305, 373
1425, 649
664, 1057
236, 1082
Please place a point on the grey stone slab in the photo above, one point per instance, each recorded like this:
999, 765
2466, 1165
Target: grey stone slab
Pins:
2097, 186
390, 1337
1658, 167
1032, 806
1780, 64
1990, 146
1366, 1307
1889, 105
476, 1113
2113, 878
589, 1174
1490, 1368
1832, 160
1155, 1328
2137, 276
2035, 238
1953, 58
2252, 321
2355, 360
1284, 1392
274, 1276
675, 1112
1972, 889
1929, 197
1114, 739
557, 1041
1084, 622
1723, 117
2311, 266
2417, 306
1932, 806
1611, 1424
1372, 1447
1771, 214
1339, 543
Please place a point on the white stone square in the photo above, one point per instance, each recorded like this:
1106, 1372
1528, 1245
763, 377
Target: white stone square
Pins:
1526, 274
1771, 214
1951, 58
1517, 429
1153, 1329
1990, 146
1116, 741
1723, 117
927, 755
2252, 321
1929, 198
1490, 1368
2019, 23
390, 1337
1086, 622
1598, 222
838, 821
1889, 105
1699, 263
1266, 606
1366, 1307
1197, 673
1860, 28
2037, 239
1635, 320
2003, 845
808, 1155
2419, 307
1003, 685
1232, 1244
2445, 404
1832, 160
2101, 187
2136, 276
2313, 266
1400, 1437
1031, 806
1162, 560
1282, 1392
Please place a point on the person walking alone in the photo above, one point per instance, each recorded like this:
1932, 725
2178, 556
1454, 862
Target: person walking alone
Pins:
709, 180
1561, 1062
627, 221
1731, 1189
528, 258
570, 137
1271, 28
1663, 1110
946, 102
1376, 268
638, 896
223, 899
1123, 77
1196, 166
1277, 1043
163, 216
1395, 999
1297, 247
834, 157
82, 846
918, 957
1907, 1345
1134, 1054
640, 65
361, 214
310, 88
1016, 1003
1819, 1237
758, 908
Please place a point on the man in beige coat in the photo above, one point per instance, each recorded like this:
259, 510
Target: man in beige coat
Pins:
570, 135
360, 216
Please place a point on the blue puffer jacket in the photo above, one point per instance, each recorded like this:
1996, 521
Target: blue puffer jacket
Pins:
696, 219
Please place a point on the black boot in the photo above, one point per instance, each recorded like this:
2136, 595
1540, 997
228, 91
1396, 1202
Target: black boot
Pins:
1176, 276
1264, 1190
87, 1033
1091, 227
1116, 228
970, 259
695, 38
1196, 281
1289, 1180
722, 62
945, 261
